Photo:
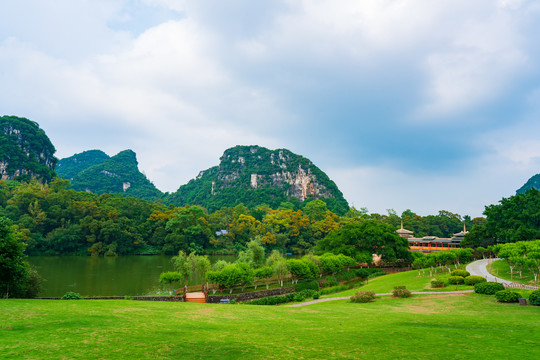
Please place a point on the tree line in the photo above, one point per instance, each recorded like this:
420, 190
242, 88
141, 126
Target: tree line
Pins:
56, 220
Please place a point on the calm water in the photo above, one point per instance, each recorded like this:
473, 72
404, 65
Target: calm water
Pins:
106, 276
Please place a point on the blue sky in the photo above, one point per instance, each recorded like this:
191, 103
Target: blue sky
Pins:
419, 104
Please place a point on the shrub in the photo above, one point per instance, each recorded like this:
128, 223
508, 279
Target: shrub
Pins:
363, 297
507, 296
70, 295
488, 288
455, 280
347, 275
330, 281
534, 298
437, 284
311, 285
401, 292
462, 273
361, 273
316, 296
474, 279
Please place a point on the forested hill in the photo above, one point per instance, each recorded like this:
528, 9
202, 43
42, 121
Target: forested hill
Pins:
25, 150
254, 175
532, 183
70, 167
94, 171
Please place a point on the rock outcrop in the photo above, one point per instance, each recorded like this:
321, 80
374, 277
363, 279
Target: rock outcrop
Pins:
254, 175
25, 150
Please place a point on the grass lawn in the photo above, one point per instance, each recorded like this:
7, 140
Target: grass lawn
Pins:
423, 327
501, 268
410, 279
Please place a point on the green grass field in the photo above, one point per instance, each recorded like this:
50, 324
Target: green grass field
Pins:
410, 279
501, 269
442, 326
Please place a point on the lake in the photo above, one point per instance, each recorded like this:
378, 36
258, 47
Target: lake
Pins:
107, 276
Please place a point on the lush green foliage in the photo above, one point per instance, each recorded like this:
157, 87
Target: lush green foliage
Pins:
455, 280
25, 150
488, 288
69, 168
70, 295
474, 279
534, 298
307, 285
169, 278
360, 240
17, 279
401, 292
363, 297
116, 175
516, 218
507, 296
460, 272
437, 284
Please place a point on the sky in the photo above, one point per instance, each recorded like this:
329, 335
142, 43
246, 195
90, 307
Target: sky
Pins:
406, 104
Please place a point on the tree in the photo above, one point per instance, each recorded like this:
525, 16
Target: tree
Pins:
516, 218
189, 265
14, 270
362, 239
265, 273
168, 278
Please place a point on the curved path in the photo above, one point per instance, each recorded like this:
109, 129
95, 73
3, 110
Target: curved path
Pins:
478, 267
380, 294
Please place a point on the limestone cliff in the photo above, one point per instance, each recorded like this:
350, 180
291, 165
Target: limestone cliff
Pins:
254, 175
25, 150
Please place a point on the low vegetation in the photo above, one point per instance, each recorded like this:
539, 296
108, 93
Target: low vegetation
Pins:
384, 329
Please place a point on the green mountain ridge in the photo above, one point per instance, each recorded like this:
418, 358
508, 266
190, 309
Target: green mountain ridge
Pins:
255, 175
25, 151
69, 168
532, 183
95, 172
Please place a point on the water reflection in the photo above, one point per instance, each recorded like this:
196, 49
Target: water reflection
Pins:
107, 276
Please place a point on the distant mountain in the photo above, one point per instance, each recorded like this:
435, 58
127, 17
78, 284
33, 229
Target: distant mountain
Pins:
95, 172
532, 183
254, 175
70, 167
25, 150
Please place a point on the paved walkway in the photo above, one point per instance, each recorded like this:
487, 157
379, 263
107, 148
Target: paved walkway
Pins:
478, 267
380, 294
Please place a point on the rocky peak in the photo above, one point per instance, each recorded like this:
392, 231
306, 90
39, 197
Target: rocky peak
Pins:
25, 150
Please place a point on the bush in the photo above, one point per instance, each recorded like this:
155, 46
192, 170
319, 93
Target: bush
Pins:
401, 292
347, 275
456, 280
507, 296
70, 295
437, 284
474, 279
330, 281
462, 273
316, 296
363, 297
534, 298
362, 273
311, 285
488, 288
